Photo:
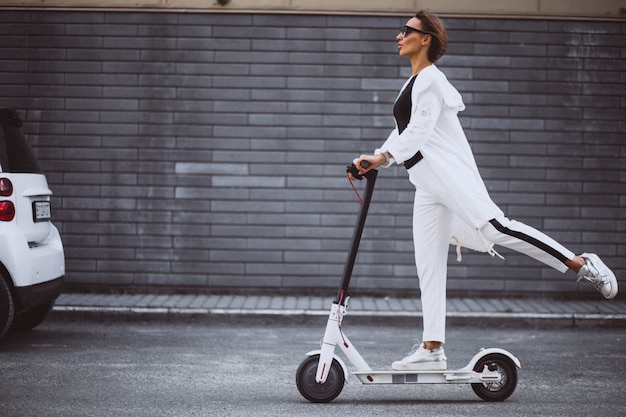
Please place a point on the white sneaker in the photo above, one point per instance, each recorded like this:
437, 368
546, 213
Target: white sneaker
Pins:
422, 359
598, 274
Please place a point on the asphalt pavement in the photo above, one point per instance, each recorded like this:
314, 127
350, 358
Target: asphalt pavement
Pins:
460, 309
97, 366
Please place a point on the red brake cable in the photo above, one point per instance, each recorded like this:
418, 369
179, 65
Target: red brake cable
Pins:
355, 190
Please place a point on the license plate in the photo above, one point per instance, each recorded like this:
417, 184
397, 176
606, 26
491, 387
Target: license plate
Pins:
41, 211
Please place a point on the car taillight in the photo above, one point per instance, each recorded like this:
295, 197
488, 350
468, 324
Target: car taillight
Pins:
7, 211
6, 188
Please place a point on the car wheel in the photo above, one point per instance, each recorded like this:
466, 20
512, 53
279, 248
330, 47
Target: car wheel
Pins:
31, 318
7, 307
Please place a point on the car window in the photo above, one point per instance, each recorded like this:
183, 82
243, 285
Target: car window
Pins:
16, 154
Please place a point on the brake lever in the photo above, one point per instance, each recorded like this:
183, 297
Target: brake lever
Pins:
352, 169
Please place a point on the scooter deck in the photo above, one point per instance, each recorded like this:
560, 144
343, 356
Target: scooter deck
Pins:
458, 376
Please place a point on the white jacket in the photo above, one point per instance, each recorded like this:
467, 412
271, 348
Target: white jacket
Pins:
435, 130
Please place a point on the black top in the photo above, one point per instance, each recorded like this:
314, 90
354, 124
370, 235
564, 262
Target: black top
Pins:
402, 108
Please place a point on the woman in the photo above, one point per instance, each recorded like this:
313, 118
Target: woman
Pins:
451, 200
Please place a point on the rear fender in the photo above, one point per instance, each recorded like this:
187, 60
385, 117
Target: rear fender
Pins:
489, 351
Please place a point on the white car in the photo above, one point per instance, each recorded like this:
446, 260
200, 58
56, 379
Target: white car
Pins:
32, 263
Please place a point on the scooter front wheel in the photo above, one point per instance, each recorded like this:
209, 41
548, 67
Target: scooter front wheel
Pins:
496, 391
314, 391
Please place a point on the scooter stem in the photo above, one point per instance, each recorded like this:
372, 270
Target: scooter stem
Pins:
370, 176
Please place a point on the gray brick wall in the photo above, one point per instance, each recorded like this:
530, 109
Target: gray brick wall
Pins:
207, 151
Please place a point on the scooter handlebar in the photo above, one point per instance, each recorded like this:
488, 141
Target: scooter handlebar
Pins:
352, 169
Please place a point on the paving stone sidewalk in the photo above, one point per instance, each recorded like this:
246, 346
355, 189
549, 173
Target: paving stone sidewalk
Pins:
612, 312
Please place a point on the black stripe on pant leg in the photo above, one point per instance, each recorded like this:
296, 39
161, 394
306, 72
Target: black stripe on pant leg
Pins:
529, 239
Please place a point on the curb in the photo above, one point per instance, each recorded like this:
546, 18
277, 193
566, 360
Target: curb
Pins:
612, 320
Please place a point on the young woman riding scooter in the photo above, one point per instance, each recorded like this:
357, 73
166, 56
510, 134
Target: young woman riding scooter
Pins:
451, 200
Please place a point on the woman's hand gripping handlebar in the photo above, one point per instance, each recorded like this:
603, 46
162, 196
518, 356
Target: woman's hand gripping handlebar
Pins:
364, 164
353, 170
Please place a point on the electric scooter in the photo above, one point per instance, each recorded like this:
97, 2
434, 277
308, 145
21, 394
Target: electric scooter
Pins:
320, 377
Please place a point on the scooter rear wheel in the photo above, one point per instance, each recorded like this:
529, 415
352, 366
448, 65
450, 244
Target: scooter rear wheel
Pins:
496, 391
313, 391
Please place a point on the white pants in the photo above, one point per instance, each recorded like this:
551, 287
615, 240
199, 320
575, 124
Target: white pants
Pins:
432, 224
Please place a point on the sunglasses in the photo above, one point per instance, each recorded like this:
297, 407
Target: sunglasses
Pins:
404, 30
